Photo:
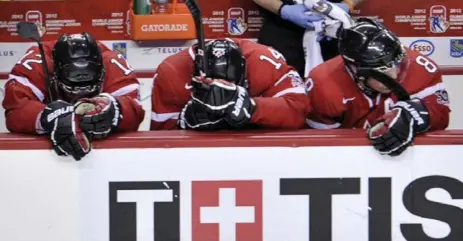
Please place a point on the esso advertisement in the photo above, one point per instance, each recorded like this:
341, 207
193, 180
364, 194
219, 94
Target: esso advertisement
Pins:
425, 47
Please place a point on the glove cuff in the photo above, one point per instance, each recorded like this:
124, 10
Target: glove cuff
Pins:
344, 6
38, 124
350, 4
117, 114
417, 112
45, 119
279, 9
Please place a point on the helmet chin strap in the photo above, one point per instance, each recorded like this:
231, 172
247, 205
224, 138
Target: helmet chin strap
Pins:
361, 82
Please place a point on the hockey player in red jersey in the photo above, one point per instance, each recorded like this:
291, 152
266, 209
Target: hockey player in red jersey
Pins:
95, 93
343, 98
247, 85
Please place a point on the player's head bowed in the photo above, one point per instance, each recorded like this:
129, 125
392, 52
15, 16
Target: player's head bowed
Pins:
225, 61
78, 66
369, 45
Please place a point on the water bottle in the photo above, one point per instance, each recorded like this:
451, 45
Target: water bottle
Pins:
160, 6
142, 7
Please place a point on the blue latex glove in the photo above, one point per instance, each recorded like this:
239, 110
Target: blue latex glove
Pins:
297, 14
344, 7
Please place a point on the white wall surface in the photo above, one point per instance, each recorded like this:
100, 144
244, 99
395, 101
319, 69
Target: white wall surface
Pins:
51, 198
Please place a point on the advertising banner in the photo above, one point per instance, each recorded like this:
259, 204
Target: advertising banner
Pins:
110, 20
233, 194
416, 18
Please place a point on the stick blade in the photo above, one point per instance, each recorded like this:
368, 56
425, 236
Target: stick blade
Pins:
28, 30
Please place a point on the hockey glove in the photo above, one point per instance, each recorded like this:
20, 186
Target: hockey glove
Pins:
394, 131
212, 93
195, 116
226, 99
100, 115
62, 125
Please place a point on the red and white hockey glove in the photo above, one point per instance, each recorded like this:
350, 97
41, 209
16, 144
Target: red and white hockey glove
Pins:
61, 124
226, 99
195, 116
100, 115
392, 133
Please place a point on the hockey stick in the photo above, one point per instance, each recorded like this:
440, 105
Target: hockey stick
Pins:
28, 30
197, 17
389, 82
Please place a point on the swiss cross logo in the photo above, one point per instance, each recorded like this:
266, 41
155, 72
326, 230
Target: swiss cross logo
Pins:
227, 210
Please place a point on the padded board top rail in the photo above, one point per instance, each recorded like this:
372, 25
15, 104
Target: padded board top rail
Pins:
182, 139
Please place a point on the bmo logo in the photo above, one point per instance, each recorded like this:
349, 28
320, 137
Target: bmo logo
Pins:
425, 47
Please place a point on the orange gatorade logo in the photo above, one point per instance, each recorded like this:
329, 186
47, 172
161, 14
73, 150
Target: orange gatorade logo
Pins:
164, 27
176, 24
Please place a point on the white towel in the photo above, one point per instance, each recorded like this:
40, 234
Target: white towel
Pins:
327, 27
312, 51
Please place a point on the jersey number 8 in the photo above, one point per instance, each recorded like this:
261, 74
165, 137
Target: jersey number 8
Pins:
428, 65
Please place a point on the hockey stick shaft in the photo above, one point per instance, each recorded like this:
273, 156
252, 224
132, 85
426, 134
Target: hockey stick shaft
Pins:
28, 30
197, 17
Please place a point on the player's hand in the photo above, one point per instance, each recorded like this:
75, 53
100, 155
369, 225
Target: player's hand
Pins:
62, 125
394, 131
195, 116
226, 99
215, 94
99, 115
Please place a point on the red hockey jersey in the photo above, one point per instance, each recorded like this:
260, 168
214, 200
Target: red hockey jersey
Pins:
25, 90
279, 92
339, 103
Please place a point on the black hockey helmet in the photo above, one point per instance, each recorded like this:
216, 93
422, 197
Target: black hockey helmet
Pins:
368, 44
225, 60
78, 66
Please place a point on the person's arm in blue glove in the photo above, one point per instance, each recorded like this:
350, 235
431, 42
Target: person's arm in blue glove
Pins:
344, 6
353, 3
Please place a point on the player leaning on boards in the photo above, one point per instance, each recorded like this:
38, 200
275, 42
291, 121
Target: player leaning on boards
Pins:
344, 98
84, 71
247, 84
